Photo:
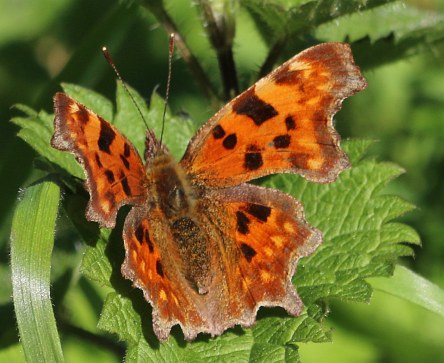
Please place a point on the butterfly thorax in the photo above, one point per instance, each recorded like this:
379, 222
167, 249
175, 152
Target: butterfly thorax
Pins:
173, 198
171, 190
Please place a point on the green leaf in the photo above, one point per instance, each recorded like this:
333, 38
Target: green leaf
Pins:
380, 31
293, 18
93, 100
36, 129
120, 317
387, 34
178, 129
128, 118
95, 263
285, 25
371, 53
360, 238
130, 121
32, 239
409, 286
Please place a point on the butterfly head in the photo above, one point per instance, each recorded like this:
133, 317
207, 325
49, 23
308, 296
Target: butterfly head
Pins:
153, 146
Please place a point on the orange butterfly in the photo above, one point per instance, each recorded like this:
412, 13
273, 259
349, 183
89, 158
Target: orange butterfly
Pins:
206, 248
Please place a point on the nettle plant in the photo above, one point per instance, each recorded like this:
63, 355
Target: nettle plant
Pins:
361, 238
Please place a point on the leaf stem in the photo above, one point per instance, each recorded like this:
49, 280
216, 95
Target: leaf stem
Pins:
272, 57
220, 27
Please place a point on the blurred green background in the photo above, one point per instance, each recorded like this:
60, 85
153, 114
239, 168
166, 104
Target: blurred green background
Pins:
43, 43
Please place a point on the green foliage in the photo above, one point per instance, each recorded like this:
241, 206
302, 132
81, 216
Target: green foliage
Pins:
36, 129
32, 240
363, 236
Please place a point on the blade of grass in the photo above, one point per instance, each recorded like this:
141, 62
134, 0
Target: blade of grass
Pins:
32, 240
409, 286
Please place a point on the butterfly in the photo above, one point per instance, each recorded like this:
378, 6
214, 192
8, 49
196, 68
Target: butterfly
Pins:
206, 248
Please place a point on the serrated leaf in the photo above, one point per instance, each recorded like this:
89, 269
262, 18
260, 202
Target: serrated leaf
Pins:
386, 34
230, 347
372, 53
36, 129
120, 317
128, 119
360, 240
178, 129
288, 330
93, 100
380, 31
290, 19
95, 263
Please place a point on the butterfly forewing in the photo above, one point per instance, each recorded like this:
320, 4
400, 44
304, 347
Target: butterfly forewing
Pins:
281, 124
114, 171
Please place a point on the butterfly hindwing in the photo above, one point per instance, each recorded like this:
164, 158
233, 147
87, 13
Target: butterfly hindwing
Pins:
114, 171
281, 124
263, 233
254, 237
153, 264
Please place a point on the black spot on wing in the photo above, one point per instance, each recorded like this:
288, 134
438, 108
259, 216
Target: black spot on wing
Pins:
242, 222
159, 268
218, 132
248, 251
98, 162
290, 123
230, 142
126, 150
261, 212
82, 115
253, 158
110, 176
106, 137
250, 105
281, 141
125, 186
148, 240
143, 236
139, 233
125, 161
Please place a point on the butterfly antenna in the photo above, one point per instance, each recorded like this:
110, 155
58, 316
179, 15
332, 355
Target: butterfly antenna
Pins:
110, 61
167, 94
